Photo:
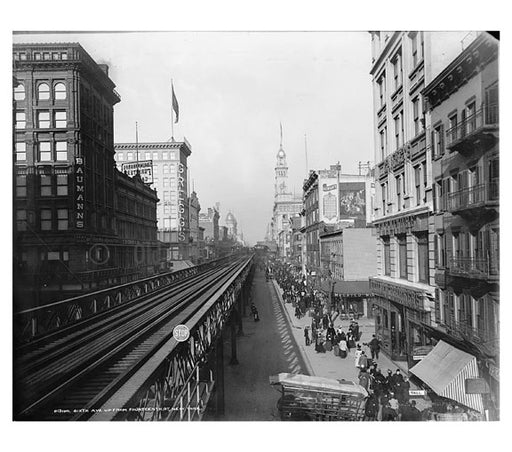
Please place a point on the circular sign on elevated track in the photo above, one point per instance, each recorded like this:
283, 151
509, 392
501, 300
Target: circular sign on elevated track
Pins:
181, 333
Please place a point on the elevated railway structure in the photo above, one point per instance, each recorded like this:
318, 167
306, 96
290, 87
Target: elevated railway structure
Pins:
115, 355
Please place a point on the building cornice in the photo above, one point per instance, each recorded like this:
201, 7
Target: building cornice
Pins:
470, 61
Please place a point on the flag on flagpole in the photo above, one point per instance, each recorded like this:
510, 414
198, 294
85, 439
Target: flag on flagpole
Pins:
175, 105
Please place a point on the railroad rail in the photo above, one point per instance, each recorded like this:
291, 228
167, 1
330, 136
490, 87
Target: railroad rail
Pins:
35, 322
87, 370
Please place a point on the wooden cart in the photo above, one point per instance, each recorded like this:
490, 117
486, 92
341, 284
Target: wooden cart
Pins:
306, 398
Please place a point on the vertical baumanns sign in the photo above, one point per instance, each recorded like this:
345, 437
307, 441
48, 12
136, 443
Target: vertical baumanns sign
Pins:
79, 193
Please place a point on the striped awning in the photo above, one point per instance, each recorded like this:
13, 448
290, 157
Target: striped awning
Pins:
445, 370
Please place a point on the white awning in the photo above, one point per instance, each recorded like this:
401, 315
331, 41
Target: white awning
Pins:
445, 369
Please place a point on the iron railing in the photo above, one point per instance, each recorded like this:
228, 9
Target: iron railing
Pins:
34, 322
472, 196
488, 115
478, 267
479, 336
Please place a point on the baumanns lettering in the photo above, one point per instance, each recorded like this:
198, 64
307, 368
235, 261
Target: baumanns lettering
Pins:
79, 193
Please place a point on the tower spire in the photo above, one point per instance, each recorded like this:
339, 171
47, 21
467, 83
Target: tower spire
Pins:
281, 129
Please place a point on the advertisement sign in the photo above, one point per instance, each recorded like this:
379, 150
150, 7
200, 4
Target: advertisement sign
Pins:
329, 200
79, 193
352, 200
145, 169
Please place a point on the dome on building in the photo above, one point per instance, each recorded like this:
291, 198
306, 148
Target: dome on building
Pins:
230, 218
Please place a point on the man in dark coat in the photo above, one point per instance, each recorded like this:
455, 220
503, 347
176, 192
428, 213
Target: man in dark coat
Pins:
374, 347
364, 379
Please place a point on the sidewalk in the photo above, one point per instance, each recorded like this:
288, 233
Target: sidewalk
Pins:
327, 364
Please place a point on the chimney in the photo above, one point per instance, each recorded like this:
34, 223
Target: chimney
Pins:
104, 68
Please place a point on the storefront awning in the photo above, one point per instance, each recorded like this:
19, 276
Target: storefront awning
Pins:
348, 288
445, 369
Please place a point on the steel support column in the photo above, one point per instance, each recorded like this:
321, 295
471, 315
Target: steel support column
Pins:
233, 322
241, 307
219, 375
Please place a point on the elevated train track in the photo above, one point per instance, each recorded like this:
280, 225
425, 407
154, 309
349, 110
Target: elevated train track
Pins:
73, 372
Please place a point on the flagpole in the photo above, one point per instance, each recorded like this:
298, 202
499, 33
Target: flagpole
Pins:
306, 151
172, 115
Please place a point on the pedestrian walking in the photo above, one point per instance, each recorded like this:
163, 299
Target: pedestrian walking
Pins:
364, 379
363, 361
357, 355
306, 336
371, 408
343, 348
374, 347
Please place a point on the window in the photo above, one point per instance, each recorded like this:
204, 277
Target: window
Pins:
62, 219
470, 117
45, 152
62, 150
417, 183
384, 192
417, 48
398, 180
491, 104
402, 255
20, 120
129, 156
61, 119
46, 220
382, 91
399, 130
465, 310
63, 56
43, 91
166, 196
45, 183
166, 168
19, 92
21, 186
167, 223
438, 141
166, 182
383, 137
172, 155
43, 119
416, 116
21, 152
167, 209
55, 55
155, 155
46, 55
397, 70
60, 91
423, 263
21, 220
147, 155
452, 131
387, 255
62, 184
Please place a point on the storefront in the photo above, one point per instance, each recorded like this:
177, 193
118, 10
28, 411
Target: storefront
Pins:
349, 298
399, 313
453, 375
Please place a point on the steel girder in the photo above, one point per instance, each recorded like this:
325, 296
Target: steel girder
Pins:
31, 323
179, 387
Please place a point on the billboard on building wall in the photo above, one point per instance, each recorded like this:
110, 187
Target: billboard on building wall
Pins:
145, 169
328, 200
352, 200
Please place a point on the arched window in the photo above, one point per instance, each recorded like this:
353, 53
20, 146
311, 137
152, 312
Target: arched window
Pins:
43, 92
19, 92
60, 91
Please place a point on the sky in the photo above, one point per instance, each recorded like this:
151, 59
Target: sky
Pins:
233, 90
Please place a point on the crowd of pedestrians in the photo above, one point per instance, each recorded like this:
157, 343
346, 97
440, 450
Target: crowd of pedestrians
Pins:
388, 394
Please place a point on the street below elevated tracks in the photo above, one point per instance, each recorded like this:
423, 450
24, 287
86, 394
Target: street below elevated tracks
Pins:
266, 348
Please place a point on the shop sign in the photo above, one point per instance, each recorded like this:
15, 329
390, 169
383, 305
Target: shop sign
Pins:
79, 193
417, 393
181, 202
144, 168
476, 386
